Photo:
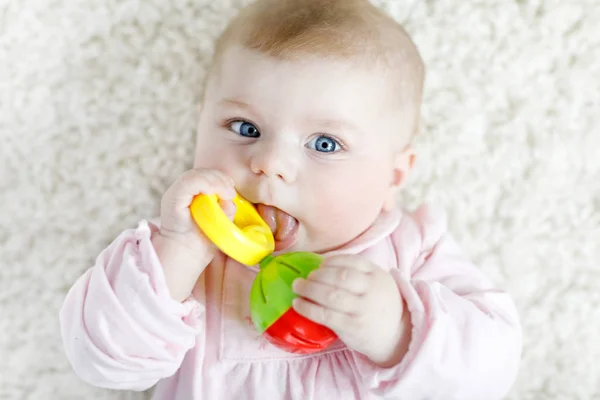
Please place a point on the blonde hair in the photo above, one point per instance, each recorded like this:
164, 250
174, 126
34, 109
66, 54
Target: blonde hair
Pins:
354, 30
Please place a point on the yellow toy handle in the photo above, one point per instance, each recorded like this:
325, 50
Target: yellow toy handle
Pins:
247, 239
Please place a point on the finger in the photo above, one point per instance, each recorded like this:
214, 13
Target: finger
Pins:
228, 207
349, 261
228, 184
350, 279
220, 184
196, 182
328, 296
332, 319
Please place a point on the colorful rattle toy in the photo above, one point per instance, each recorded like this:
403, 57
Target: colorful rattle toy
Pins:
249, 240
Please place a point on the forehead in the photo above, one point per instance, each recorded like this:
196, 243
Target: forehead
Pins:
303, 84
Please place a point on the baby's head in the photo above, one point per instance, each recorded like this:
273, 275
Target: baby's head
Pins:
310, 106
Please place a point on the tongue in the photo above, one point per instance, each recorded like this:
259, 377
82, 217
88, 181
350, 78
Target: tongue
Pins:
283, 225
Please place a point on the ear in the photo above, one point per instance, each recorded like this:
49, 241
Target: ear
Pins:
402, 166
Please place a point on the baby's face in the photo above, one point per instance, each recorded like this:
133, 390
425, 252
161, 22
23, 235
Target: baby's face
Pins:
314, 138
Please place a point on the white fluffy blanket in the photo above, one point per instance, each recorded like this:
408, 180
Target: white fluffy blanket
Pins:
97, 114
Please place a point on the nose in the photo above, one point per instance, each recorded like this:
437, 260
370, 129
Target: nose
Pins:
274, 160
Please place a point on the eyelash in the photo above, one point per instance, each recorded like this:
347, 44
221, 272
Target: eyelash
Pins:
228, 125
330, 137
230, 122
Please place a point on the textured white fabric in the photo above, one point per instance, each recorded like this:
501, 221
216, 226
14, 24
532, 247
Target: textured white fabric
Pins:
97, 114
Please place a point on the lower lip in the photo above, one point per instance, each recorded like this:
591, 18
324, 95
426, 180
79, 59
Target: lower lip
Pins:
287, 243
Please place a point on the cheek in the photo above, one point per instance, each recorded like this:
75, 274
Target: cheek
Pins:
217, 154
212, 149
362, 186
346, 204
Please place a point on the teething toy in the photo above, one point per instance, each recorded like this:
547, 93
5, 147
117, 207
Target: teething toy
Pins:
249, 240
271, 299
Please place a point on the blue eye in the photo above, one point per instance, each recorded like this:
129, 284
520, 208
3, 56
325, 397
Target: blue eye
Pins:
324, 144
245, 129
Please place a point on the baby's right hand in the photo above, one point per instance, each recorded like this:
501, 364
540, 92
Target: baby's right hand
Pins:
181, 246
176, 221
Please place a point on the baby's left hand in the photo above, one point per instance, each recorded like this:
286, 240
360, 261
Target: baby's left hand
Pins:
361, 303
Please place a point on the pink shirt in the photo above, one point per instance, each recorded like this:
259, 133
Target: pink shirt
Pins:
122, 330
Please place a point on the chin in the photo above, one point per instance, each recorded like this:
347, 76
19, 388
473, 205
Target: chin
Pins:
297, 245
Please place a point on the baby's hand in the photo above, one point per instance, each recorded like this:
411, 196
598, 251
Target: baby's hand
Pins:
175, 218
361, 303
181, 247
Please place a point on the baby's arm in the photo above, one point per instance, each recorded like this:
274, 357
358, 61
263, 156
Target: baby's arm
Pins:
123, 323
466, 337
121, 329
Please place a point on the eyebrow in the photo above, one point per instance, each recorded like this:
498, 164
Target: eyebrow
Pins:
240, 105
236, 103
335, 125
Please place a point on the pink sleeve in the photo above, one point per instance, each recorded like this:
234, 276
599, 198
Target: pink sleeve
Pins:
466, 336
120, 327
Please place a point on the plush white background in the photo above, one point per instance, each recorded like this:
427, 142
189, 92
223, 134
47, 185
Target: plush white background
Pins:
97, 112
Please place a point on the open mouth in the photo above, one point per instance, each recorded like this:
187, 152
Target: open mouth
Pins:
283, 225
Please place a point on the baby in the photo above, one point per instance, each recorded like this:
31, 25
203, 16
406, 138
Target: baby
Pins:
308, 112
